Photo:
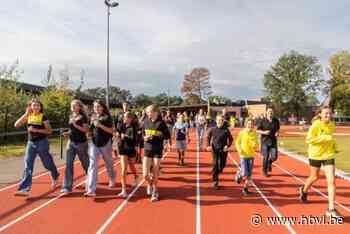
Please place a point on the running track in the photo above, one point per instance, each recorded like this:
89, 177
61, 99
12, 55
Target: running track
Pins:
188, 202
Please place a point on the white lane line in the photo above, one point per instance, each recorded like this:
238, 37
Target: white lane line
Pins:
339, 173
313, 188
119, 209
35, 177
198, 200
121, 206
43, 205
288, 226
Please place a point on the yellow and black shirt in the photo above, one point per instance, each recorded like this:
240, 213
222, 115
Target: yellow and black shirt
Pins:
159, 131
36, 121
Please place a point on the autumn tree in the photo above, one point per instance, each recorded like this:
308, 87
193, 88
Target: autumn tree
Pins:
196, 84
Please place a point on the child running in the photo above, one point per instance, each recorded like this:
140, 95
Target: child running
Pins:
101, 146
181, 135
38, 144
321, 150
219, 141
126, 138
246, 145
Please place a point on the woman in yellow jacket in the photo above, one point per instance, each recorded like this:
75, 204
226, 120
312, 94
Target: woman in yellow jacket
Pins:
321, 150
246, 145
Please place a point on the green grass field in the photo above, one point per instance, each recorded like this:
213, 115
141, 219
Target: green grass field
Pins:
298, 146
18, 149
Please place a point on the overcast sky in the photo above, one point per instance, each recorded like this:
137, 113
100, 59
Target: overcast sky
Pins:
155, 42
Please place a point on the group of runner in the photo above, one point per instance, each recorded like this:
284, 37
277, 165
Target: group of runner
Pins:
153, 132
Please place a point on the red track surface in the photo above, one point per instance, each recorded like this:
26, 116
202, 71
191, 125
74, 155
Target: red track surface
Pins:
181, 208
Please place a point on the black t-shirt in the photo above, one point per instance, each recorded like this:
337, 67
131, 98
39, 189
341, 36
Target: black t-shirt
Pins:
273, 127
37, 122
127, 144
99, 137
75, 134
159, 131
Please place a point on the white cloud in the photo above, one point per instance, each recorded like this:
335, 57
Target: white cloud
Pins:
154, 43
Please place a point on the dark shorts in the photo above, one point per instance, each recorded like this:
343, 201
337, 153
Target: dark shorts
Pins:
153, 153
127, 152
319, 163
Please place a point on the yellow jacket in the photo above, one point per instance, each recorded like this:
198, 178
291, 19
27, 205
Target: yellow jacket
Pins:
322, 145
247, 143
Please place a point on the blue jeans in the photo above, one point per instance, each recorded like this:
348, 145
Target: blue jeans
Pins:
95, 153
33, 149
200, 135
270, 154
73, 149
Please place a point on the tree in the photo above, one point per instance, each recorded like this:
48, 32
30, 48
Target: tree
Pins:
220, 100
339, 84
192, 99
291, 82
117, 95
12, 100
197, 84
142, 100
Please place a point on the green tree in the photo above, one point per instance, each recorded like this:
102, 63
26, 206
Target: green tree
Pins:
220, 100
142, 100
339, 84
291, 82
117, 95
12, 100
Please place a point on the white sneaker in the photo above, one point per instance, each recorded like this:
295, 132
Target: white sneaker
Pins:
333, 213
149, 190
111, 184
22, 193
155, 197
90, 194
123, 194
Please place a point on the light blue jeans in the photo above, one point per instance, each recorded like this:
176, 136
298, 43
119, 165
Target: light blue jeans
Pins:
200, 135
95, 153
33, 149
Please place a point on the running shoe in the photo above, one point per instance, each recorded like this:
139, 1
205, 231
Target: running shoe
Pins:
65, 191
216, 185
155, 196
149, 190
333, 213
238, 178
22, 193
111, 184
89, 194
245, 192
302, 194
123, 194
54, 183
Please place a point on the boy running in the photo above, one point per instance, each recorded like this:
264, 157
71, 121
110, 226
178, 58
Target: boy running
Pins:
219, 141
